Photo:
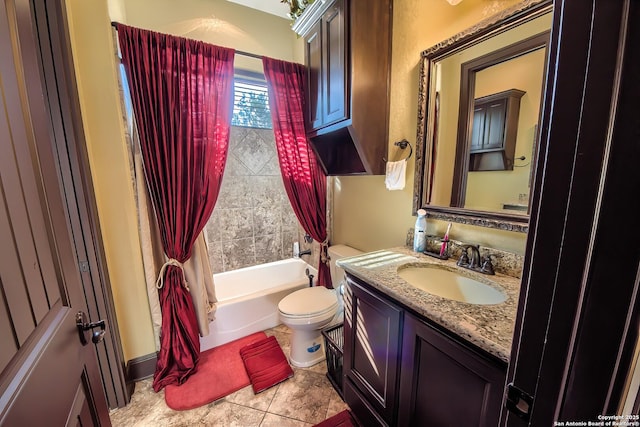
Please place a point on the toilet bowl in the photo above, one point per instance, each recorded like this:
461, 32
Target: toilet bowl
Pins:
306, 312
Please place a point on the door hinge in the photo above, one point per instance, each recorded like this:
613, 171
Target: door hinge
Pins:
519, 402
84, 266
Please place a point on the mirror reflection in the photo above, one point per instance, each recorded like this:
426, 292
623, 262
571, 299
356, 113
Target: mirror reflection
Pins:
480, 115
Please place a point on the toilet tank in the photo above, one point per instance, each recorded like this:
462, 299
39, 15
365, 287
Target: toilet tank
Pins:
337, 252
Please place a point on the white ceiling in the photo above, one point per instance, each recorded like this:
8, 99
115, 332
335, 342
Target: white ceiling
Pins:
274, 7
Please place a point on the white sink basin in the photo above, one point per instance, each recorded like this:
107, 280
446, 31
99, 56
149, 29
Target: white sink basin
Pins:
451, 285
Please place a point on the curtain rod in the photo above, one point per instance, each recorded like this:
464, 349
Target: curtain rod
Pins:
239, 52
250, 55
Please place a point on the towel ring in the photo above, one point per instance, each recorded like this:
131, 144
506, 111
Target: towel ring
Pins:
403, 144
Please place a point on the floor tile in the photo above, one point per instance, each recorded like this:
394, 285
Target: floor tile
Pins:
142, 402
320, 368
302, 401
162, 415
304, 397
283, 336
231, 415
273, 420
336, 405
246, 397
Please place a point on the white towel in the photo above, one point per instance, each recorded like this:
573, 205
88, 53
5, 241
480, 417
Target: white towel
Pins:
395, 177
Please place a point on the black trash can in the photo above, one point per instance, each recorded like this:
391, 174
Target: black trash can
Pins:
333, 344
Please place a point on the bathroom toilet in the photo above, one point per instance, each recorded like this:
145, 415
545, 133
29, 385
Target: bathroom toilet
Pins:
309, 310
306, 312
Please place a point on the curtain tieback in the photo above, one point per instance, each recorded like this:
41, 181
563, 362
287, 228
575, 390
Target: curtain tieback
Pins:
324, 253
174, 262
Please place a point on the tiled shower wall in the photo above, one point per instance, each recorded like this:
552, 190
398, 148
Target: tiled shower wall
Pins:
252, 222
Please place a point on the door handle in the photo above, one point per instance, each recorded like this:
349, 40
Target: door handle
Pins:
519, 402
83, 325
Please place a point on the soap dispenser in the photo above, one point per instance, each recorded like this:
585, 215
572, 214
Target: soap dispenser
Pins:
420, 232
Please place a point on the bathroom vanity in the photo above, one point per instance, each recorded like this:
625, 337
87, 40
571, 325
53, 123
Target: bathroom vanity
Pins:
414, 358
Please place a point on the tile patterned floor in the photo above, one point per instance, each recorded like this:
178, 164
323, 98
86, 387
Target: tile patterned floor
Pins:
302, 401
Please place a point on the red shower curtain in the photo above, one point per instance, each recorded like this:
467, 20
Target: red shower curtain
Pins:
182, 99
304, 180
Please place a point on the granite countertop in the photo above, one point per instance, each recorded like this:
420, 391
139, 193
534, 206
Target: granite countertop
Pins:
489, 327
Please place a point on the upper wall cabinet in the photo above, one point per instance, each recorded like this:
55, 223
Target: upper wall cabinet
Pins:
494, 131
325, 54
348, 58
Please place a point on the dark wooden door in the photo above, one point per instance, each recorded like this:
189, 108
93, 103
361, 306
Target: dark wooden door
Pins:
371, 352
443, 383
577, 324
47, 377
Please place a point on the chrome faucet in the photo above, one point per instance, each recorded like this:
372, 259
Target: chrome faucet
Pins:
471, 259
307, 252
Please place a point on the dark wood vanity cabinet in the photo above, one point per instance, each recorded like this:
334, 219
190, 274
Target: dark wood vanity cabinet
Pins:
348, 58
399, 370
444, 383
372, 329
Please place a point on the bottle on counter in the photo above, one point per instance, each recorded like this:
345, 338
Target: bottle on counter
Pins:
420, 232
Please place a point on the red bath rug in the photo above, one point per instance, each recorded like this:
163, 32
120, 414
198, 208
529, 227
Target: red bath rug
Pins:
265, 363
341, 419
220, 373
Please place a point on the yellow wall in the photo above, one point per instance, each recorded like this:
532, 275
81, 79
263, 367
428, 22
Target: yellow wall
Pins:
93, 50
368, 216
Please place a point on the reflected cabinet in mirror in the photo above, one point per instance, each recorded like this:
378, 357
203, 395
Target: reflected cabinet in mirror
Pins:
480, 99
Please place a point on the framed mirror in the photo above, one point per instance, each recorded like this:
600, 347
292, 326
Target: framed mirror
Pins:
480, 95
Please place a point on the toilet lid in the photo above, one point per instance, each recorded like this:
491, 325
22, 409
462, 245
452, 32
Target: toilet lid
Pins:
308, 301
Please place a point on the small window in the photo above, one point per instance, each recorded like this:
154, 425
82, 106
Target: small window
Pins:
251, 105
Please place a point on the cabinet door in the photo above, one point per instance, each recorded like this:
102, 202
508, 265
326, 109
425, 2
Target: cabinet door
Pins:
477, 130
443, 383
371, 352
335, 77
487, 133
313, 53
494, 125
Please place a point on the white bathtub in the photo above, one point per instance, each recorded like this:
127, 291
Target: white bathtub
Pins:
248, 298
